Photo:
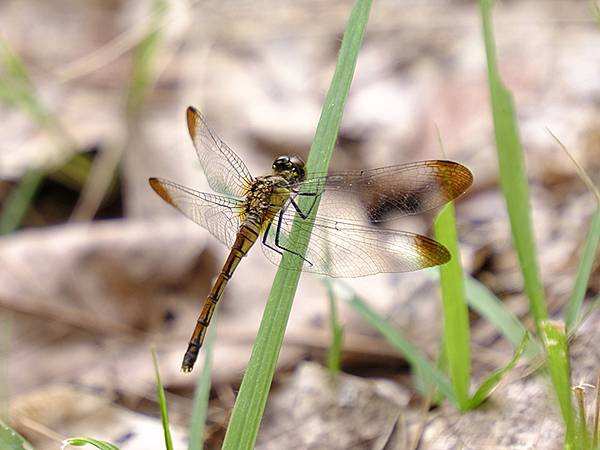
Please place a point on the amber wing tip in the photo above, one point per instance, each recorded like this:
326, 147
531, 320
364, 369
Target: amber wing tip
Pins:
438, 255
445, 255
193, 116
468, 175
159, 188
432, 252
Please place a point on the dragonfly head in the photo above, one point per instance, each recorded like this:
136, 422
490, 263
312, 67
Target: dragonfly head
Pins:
289, 167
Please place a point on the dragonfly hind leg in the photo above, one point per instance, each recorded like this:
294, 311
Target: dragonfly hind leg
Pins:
277, 244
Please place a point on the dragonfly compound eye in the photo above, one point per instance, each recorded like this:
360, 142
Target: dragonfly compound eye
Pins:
298, 165
282, 163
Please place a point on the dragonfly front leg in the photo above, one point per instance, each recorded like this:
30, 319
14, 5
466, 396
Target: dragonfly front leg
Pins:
297, 207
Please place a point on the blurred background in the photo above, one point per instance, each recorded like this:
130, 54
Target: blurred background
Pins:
96, 268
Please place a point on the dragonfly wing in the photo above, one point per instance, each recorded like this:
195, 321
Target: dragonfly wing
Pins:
217, 214
344, 249
387, 193
225, 171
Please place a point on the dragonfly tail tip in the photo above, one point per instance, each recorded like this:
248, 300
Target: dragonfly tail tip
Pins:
189, 359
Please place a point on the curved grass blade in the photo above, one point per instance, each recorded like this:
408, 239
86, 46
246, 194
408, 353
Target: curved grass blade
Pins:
487, 305
17, 90
583, 272
433, 376
81, 441
492, 380
513, 178
162, 401
573, 315
249, 407
594, 305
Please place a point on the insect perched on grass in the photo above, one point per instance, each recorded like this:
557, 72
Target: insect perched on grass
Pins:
344, 242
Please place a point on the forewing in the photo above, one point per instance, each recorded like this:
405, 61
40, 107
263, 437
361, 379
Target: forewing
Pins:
387, 193
342, 249
225, 171
219, 215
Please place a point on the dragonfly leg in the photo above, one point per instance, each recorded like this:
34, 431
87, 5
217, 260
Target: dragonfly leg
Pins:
297, 208
265, 236
277, 234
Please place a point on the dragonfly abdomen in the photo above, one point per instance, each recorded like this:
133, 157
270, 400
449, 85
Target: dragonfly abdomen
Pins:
246, 237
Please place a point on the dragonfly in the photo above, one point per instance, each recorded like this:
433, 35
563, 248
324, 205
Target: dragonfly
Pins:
347, 238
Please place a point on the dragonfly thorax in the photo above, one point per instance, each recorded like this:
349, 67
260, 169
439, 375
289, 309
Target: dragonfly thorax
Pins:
265, 197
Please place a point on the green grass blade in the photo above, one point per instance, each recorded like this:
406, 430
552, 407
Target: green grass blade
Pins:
455, 310
596, 11
487, 305
334, 354
142, 76
582, 435
16, 70
573, 314
162, 401
104, 171
16, 88
583, 272
490, 383
594, 305
555, 342
81, 441
595, 430
5, 345
513, 178
73, 173
249, 407
200, 409
423, 382
11, 440
19, 200
433, 376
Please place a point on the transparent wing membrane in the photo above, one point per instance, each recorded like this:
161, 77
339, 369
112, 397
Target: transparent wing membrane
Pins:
344, 249
217, 214
387, 193
226, 172
342, 242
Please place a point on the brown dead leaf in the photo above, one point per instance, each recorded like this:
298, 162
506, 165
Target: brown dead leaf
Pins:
114, 272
